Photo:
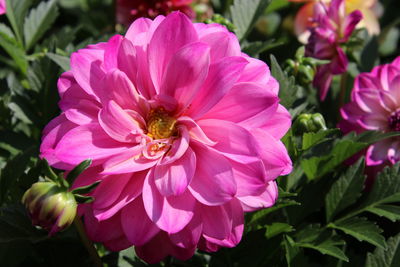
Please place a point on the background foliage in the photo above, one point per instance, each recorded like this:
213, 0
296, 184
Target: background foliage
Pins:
323, 217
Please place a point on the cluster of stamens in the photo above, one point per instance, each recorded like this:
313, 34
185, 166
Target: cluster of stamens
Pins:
160, 124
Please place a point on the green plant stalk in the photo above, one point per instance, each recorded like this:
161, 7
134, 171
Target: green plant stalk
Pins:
87, 243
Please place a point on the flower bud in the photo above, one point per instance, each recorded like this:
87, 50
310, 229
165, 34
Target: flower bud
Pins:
309, 123
217, 18
50, 206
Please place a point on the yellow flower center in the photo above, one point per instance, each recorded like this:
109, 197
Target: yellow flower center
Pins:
160, 125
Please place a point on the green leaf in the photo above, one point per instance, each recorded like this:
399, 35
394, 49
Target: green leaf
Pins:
86, 189
61, 61
287, 87
389, 257
325, 156
16, 226
361, 229
292, 252
245, 13
83, 199
256, 217
276, 5
321, 240
386, 188
391, 212
255, 48
39, 21
16, 11
78, 170
277, 228
13, 48
310, 139
14, 168
346, 190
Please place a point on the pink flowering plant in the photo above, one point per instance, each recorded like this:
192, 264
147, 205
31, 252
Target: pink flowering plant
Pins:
151, 133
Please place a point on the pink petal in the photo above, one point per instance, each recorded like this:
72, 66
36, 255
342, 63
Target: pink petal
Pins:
140, 25
120, 125
119, 88
127, 61
378, 152
250, 177
278, 124
323, 80
350, 23
143, 79
128, 161
221, 77
374, 121
229, 138
87, 70
170, 214
164, 248
148, 253
129, 193
367, 101
137, 226
88, 177
173, 178
87, 142
258, 72
213, 182
81, 111
189, 236
100, 231
118, 244
174, 32
178, 148
235, 212
195, 131
52, 135
216, 221
111, 52
223, 44
262, 201
194, 60
242, 102
65, 81
109, 190
273, 153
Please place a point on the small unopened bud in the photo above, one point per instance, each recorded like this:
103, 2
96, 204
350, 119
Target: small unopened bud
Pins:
306, 123
50, 206
217, 18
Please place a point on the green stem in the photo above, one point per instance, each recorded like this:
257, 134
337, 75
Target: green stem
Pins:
87, 243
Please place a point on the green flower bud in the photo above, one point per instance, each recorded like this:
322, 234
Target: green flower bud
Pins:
50, 206
217, 18
306, 123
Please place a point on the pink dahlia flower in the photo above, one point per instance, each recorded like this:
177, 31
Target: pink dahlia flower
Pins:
184, 133
129, 10
332, 29
371, 10
2, 7
375, 105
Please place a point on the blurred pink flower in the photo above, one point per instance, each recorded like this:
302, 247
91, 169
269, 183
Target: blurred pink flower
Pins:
371, 10
375, 105
184, 133
2, 7
332, 28
129, 10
